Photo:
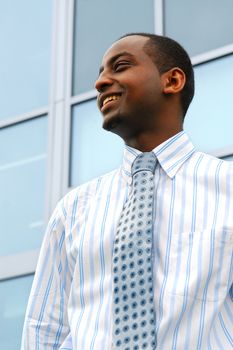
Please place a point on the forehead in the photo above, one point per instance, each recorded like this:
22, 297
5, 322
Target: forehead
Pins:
132, 44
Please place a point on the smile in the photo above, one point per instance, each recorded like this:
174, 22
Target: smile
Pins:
110, 98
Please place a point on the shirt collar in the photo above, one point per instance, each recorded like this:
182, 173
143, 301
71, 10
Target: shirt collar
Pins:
171, 154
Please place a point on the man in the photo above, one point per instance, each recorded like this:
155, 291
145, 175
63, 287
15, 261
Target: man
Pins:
144, 89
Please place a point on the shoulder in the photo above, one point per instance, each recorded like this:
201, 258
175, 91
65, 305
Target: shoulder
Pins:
80, 196
214, 161
76, 203
208, 166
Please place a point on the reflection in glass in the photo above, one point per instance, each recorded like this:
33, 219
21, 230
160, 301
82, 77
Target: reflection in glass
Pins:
209, 121
23, 149
199, 25
14, 296
94, 151
25, 37
97, 25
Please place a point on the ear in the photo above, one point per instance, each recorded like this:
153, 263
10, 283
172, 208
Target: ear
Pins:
173, 81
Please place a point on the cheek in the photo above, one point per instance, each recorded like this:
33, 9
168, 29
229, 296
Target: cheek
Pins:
148, 89
142, 93
147, 97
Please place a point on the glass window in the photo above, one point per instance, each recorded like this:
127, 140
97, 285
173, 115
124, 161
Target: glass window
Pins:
22, 185
14, 296
199, 25
97, 25
209, 120
94, 151
25, 37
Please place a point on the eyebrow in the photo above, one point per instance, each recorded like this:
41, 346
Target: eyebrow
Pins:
114, 58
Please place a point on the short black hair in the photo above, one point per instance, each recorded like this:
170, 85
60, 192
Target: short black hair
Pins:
167, 53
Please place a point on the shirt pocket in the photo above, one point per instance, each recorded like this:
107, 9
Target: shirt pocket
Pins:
200, 264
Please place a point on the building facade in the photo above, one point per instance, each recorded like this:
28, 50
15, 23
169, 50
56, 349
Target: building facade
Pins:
50, 54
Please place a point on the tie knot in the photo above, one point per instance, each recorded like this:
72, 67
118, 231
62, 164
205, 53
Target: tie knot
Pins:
144, 162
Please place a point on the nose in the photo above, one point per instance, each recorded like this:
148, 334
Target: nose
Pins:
103, 82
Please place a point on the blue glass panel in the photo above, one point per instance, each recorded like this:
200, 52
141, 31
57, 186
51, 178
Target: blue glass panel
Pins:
25, 37
97, 25
22, 185
94, 151
199, 25
209, 120
13, 300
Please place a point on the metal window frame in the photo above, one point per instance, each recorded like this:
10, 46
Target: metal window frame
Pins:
222, 152
24, 117
159, 17
59, 112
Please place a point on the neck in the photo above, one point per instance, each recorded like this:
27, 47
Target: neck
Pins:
147, 141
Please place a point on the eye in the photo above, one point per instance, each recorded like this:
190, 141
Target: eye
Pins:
121, 65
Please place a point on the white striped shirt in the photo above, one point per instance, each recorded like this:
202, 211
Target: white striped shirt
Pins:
71, 297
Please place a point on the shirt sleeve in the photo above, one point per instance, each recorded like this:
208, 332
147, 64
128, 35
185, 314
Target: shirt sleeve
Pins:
46, 323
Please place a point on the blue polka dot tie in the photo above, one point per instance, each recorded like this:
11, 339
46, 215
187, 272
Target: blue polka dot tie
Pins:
133, 309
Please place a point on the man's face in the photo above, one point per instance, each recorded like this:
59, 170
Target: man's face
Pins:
129, 86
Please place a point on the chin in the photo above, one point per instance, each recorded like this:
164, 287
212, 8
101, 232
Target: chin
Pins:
111, 123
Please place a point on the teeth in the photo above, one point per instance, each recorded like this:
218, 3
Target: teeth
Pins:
110, 98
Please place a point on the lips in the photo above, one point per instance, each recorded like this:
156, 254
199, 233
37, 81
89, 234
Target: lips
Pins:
104, 99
